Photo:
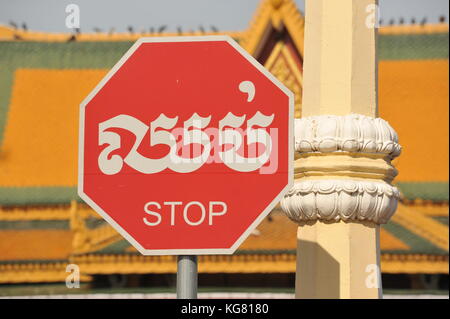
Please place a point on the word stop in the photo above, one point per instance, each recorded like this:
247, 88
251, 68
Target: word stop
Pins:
193, 213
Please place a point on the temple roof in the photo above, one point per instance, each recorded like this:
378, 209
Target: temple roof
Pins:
414, 241
42, 84
44, 77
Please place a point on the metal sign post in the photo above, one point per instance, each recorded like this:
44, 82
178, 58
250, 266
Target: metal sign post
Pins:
187, 277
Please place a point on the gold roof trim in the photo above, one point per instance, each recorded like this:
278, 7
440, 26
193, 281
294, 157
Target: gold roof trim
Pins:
414, 29
248, 263
414, 264
107, 264
47, 212
36, 272
87, 240
431, 209
35, 213
295, 23
281, 64
10, 34
275, 14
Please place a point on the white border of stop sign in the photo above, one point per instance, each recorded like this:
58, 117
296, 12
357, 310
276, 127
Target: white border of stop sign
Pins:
261, 216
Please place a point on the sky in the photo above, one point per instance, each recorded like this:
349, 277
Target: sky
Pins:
226, 15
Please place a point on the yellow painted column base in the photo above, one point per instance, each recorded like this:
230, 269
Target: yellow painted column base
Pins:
338, 260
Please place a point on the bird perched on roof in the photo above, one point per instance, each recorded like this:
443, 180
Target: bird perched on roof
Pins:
13, 24
162, 28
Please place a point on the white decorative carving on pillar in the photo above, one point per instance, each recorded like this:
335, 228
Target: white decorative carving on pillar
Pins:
344, 170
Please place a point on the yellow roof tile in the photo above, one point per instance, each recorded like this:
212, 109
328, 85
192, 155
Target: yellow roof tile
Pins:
40, 143
413, 98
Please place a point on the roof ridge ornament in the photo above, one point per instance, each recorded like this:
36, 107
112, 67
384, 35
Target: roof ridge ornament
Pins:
276, 4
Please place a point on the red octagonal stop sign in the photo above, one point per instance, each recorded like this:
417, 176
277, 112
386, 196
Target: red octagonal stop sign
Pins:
186, 145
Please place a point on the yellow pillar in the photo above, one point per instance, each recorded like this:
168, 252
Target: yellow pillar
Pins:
343, 173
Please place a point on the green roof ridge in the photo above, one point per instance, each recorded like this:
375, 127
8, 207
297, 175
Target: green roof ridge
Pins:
11, 196
34, 224
434, 191
413, 46
417, 244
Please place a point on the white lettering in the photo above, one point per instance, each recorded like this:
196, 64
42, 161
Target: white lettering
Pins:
158, 216
185, 213
172, 211
195, 135
209, 211
213, 213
